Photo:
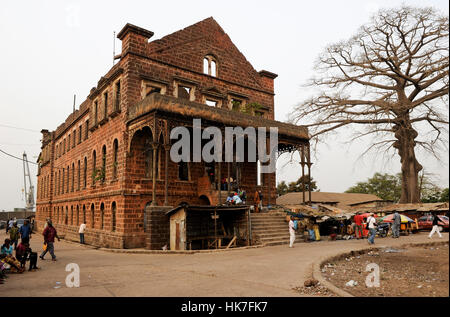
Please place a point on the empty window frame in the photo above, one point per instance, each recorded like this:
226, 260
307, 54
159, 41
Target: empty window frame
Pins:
184, 91
115, 156
210, 102
105, 105
210, 66
150, 87
117, 96
95, 110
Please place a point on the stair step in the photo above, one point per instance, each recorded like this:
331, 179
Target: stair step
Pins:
268, 220
271, 230
270, 225
275, 234
279, 242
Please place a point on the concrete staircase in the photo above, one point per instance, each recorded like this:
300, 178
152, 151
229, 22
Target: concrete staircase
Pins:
271, 228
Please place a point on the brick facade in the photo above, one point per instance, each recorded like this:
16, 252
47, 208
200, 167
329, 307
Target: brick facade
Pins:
97, 165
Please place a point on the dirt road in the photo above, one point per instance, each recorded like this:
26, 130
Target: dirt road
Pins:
269, 271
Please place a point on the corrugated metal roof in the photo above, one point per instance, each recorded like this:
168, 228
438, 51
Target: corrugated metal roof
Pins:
343, 200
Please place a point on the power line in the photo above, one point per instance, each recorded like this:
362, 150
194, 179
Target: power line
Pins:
18, 144
17, 157
17, 128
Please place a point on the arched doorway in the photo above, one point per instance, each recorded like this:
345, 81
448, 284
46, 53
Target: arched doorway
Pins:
204, 200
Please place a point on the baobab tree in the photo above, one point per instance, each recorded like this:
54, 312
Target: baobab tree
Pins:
389, 81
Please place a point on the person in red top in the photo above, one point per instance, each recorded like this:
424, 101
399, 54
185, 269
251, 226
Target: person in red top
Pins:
358, 224
49, 238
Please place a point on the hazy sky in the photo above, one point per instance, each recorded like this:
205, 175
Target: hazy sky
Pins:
52, 50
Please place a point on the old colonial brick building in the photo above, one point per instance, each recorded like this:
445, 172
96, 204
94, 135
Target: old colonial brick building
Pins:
109, 161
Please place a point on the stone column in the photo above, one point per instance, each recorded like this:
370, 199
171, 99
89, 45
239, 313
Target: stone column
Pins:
219, 176
166, 174
228, 179
155, 152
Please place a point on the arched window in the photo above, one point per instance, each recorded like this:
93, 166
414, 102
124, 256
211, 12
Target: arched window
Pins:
79, 175
102, 215
68, 179
84, 214
94, 166
113, 216
95, 112
92, 216
103, 171
85, 173
66, 216
78, 216
63, 178
73, 178
210, 66
55, 177
71, 215
205, 66
115, 154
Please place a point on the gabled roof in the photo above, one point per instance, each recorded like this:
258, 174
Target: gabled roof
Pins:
187, 47
341, 199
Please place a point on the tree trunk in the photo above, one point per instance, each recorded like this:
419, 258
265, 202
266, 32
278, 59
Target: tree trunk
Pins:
405, 144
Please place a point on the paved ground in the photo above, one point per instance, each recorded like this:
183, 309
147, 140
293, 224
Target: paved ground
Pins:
269, 271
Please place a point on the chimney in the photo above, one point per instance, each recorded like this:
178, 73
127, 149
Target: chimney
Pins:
134, 39
267, 78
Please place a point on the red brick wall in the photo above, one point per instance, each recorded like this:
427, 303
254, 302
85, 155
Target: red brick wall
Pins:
130, 190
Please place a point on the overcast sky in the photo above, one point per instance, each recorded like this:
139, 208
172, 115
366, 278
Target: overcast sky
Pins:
52, 50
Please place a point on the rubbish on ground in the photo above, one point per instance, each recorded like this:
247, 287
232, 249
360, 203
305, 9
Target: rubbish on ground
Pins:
392, 250
311, 282
351, 283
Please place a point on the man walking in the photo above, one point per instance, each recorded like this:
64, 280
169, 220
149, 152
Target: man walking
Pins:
358, 226
371, 224
14, 235
396, 226
435, 227
49, 238
81, 232
291, 232
9, 224
25, 231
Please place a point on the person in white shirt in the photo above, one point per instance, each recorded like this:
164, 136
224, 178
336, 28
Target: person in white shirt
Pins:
371, 223
291, 232
81, 232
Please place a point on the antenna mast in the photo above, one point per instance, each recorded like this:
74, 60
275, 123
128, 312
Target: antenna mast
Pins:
114, 46
29, 195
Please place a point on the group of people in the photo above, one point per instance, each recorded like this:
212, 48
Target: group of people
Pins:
370, 224
23, 251
238, 197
